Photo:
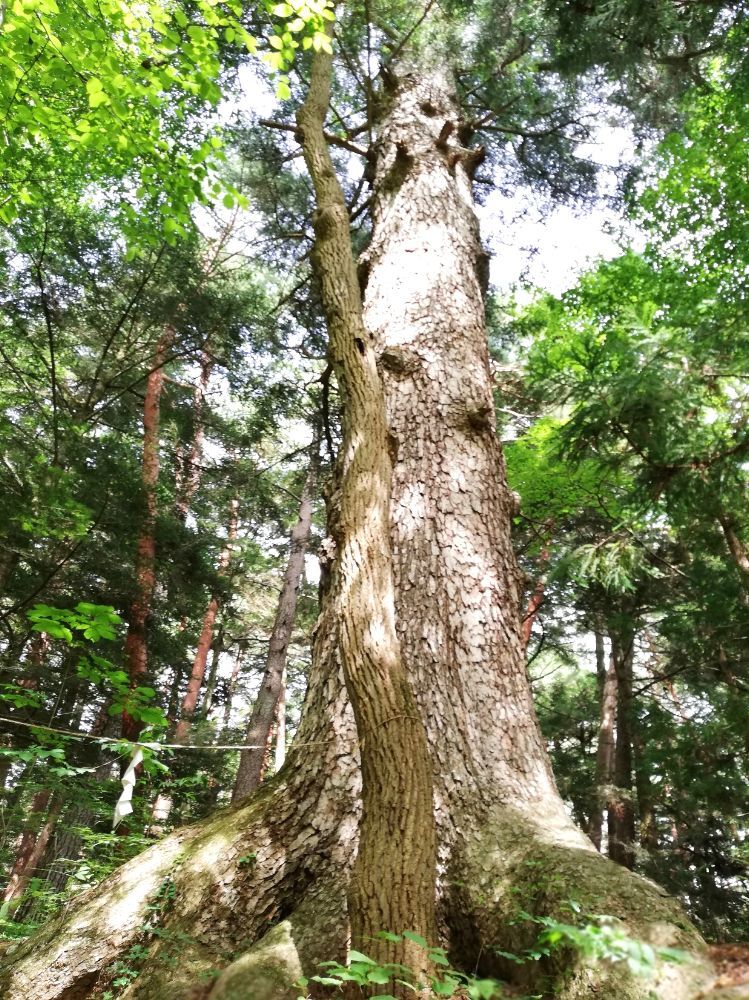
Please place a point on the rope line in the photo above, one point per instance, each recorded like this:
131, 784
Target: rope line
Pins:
149, 746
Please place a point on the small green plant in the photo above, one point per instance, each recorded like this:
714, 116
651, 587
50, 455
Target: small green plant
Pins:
602, 939
365, 972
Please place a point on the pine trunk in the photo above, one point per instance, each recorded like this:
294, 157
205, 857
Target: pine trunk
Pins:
189, 469
279, 755
232, 686
739, 551
536, 598
210, 685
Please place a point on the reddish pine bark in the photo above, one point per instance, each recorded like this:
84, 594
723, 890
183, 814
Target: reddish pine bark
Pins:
136, 649
210, 687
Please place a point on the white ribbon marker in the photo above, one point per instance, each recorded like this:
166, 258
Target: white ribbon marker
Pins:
125, 802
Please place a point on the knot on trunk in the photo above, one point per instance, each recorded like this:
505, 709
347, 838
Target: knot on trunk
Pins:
399, 170
325, 220
445, 132
398, 360
473, 158
478, 416
482, 270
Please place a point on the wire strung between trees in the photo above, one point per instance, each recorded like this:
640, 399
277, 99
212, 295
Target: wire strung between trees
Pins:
182, 746
149, 746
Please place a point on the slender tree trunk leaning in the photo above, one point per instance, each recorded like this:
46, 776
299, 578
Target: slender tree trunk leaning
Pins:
646, 800
31, 848
621, 806
392, 882
266, 703
136, 648
190, 701
605, 749
423, 595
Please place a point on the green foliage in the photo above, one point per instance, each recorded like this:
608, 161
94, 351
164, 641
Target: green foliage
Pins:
365, 972
122, 94
90, 623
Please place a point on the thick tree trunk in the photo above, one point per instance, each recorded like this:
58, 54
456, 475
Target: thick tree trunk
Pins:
190, 701
605, 749
505, 842
621, 807
266, 703
32, 846
136, 649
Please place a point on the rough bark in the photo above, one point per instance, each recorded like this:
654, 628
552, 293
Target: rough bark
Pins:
605, 749
505, 842
621, 806
136, 648
456, 581
266, 703
392, 884
195, 682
